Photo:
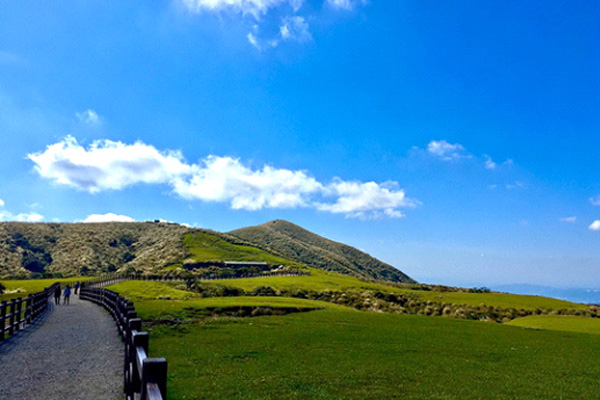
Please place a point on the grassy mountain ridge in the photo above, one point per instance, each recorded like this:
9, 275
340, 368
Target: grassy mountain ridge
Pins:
298, 244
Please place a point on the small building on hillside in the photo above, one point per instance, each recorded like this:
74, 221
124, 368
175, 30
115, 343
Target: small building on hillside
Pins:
246, 264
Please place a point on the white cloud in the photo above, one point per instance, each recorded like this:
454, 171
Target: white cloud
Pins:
295, 28
595, 226
366, 200
489, 163
447, 151
226, 179
109, 217
107, 165
22, 217
570, 220
256, 8
595, 200
270, 21
346, 4
88, 116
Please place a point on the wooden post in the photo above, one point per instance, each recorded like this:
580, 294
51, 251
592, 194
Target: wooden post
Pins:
3, 307
18, 307
139, 339
28, 309
11, 320
154, 371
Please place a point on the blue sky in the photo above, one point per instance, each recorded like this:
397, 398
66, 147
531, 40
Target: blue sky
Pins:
456, 141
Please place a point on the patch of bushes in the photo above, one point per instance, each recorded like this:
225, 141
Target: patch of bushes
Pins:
213, 290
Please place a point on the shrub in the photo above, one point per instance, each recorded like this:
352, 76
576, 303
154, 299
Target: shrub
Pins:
264, 291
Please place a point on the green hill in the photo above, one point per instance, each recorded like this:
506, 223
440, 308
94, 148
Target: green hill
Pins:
298, 244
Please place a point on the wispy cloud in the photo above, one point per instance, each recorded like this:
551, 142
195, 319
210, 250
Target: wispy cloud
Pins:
88, 116
109, 217
515, 185
109, 165
295, 28
595, 200
7, 58
570, 220
271, 22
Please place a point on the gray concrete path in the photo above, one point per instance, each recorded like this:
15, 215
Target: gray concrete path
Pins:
73, 352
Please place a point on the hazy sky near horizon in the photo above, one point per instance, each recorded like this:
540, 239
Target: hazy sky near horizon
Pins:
458, 141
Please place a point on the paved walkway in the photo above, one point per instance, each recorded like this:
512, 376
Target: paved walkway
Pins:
72, 352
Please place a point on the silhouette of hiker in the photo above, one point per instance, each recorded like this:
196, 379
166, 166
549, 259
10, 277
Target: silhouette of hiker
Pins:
57, 295
76, 286
67, 294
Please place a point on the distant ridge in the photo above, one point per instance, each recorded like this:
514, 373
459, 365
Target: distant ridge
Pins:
298, 244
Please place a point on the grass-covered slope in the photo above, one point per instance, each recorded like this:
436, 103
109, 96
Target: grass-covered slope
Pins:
298, 244
565, 323
208, 246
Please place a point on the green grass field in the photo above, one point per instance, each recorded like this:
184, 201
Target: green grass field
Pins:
341, 353
559, 323
206, 247
27, 286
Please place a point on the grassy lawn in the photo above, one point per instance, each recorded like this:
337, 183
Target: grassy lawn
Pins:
341, 353
559, 323
27, 286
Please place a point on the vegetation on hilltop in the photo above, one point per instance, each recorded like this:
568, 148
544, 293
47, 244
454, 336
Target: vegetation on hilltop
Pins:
28, 249
298, 244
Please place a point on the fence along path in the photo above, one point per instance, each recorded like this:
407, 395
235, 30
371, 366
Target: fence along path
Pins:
72, 352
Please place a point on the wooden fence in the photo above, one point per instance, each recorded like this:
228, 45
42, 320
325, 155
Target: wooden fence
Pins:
144, 378
16, 313
108, 280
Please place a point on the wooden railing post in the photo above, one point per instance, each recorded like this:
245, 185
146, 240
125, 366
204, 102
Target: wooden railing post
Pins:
11, 320
18, 320
139, 339
28, 309
3, 307
154, 371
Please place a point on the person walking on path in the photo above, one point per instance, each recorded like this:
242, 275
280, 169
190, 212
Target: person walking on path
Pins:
57, 295
76, 286
67, 294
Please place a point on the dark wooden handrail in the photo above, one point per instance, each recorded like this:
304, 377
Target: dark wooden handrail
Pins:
18, 316
144, 378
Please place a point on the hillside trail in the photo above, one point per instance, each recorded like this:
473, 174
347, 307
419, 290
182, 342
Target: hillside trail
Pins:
72, 352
